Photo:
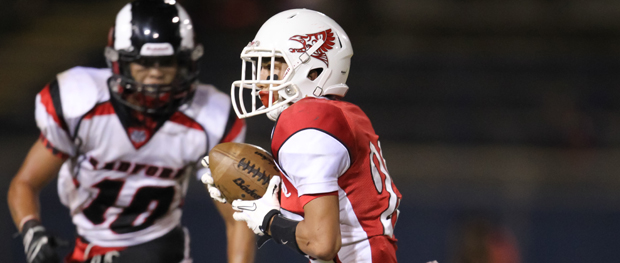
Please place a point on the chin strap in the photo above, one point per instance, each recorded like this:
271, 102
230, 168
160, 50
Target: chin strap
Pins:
319, 90
275, 113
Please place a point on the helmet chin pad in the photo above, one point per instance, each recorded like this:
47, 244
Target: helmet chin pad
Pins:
275, 113
264, 97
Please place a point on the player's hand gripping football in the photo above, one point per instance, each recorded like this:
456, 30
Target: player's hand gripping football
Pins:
254, 212
207, 179
40, 246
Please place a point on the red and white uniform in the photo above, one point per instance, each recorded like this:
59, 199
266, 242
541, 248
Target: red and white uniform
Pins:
328, 146
125, 186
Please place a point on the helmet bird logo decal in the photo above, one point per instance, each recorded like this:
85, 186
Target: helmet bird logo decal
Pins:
310, 39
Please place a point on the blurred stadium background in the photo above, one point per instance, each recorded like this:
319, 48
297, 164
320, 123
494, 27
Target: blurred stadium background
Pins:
500, 120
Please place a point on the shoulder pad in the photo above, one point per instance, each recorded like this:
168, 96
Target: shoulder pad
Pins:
208, 102
211, 108
81, 88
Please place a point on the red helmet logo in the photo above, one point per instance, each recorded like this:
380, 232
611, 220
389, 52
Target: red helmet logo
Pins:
307, 41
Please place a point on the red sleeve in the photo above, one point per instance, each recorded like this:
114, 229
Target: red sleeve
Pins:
307, 198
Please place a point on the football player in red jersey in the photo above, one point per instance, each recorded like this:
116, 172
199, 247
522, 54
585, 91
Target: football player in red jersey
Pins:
124, 142
334, 200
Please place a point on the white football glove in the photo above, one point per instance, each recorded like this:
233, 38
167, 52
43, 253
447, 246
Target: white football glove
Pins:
253, 212
207, 179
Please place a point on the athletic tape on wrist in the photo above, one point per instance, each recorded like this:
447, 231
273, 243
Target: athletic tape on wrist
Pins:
283, 232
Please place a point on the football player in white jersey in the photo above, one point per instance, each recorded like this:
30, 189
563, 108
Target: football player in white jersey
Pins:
337, 201
124, 142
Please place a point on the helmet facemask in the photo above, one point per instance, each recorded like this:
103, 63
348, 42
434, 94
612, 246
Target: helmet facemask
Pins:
274, 91
154, 98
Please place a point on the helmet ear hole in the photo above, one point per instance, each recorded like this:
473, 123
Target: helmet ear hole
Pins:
315, 73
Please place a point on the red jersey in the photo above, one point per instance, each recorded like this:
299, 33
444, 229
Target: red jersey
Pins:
326, 146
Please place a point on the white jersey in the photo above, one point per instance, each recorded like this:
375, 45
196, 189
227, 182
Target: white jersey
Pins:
126, 186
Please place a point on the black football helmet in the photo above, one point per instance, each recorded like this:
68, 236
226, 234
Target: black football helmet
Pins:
153, 32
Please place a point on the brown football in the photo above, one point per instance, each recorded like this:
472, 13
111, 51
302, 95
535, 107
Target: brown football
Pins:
241, 170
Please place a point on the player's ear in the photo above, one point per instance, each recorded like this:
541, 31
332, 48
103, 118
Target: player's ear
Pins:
313, 74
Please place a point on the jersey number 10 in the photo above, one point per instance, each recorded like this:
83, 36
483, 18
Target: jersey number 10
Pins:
147, 204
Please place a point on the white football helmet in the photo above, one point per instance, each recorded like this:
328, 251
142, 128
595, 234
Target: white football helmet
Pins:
306, 40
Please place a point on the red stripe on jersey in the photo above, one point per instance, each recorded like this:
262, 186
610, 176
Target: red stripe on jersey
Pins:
79, 251
180, 118
304, 199
101, 109
48, 103
234, 131
289, 198
48, 145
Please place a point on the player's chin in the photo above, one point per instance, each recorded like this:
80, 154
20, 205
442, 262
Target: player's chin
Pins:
264, 97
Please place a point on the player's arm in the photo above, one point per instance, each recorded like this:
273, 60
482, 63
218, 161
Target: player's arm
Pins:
240, 239
241, 246
318, 235
38, 169
314, 170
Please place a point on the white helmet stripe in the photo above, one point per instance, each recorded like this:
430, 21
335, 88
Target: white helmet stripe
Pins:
122, 30
186, 28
